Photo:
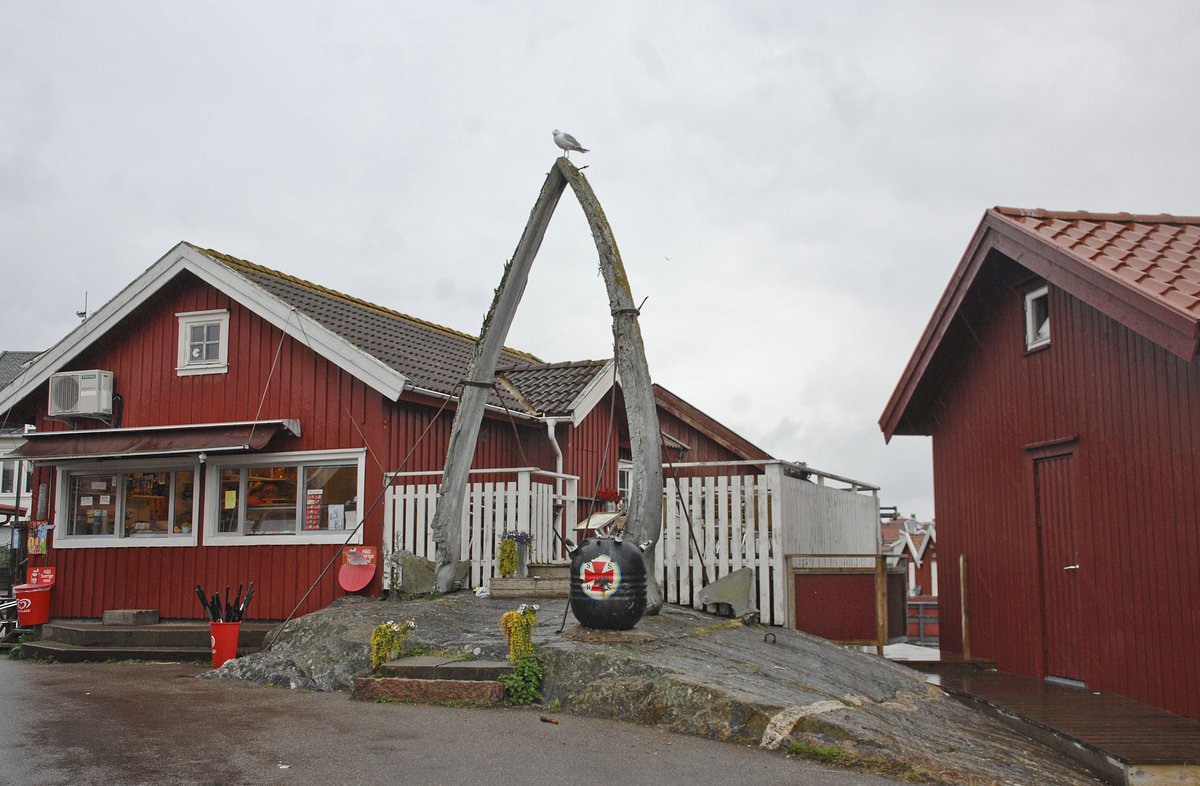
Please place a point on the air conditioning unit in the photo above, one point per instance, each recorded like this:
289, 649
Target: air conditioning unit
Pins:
81, 393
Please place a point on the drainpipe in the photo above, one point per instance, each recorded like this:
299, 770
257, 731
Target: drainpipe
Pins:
558, 455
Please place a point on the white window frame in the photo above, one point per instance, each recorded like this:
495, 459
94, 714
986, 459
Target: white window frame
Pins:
63, 475
212, 497
185, 367
1032, 339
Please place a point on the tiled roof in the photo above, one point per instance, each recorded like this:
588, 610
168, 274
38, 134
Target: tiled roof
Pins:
432, 357
1143, 271
552, 388
1156, 255
12, 364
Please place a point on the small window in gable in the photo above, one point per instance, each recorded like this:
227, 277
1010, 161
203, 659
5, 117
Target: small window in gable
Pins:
1037, 318
203, 343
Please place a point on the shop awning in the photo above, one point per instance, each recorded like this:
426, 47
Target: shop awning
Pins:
153, 440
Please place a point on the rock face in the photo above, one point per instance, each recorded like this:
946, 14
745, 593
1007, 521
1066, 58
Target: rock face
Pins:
693, 673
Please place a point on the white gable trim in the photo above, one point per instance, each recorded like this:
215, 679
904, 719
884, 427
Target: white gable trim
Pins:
592, 393
184, 256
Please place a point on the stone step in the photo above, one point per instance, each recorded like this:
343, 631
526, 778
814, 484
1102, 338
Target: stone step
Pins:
435, 667
484, 693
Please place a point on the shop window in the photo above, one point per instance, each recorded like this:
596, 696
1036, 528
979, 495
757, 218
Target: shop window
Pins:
1037, 318
203, 343
311, 495
125, 507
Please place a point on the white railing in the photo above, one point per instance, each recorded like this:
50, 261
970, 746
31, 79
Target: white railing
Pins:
492, 508
714, 523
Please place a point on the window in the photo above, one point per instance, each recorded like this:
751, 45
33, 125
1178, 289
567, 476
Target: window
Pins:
1037, 318
624, 479
126, 506
203, 343
8, 477
309, 497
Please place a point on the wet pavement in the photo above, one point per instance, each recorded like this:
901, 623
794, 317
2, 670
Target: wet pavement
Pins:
153, 723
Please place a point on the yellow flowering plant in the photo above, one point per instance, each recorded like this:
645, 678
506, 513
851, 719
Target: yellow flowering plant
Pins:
507, 558
388, 640
518, 629
524, 684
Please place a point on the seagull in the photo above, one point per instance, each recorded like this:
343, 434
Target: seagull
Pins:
567, 142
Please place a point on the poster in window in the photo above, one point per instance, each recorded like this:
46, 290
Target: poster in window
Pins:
312, 508
337, 516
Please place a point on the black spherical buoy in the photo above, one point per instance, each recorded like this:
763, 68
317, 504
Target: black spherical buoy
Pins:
608, 584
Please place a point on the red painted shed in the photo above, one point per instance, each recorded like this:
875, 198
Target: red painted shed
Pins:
1059, 380
218, 422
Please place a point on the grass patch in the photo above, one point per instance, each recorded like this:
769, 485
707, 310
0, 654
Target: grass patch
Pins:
727, 625
823, 754
836, 756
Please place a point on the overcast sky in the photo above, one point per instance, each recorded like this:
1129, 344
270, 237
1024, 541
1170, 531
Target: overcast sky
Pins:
790, 184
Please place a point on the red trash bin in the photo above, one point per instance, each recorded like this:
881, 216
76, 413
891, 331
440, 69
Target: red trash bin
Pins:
224, 641
33, 603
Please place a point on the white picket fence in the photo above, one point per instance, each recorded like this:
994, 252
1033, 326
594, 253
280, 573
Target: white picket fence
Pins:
713, 524
535, 502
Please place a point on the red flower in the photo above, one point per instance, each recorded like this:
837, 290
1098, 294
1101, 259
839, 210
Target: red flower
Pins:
607, 495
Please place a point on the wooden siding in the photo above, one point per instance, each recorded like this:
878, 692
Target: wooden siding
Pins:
1129, 414
584, 449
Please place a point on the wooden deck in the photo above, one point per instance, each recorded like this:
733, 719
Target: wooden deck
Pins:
1121, 740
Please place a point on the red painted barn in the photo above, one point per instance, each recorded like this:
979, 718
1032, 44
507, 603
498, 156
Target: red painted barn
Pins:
219, 422
1059, 380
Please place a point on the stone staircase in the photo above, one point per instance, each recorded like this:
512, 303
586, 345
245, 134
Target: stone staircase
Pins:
135, 635
543, 581
435, 678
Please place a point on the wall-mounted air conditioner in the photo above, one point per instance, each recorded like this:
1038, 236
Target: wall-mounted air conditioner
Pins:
81, 393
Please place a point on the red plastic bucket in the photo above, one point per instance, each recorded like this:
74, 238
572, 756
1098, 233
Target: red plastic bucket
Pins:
224, 641
33, 603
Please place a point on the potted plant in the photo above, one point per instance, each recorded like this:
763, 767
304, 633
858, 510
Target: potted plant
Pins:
514, 553
610, 498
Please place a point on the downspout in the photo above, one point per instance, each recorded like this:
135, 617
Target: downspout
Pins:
551, 423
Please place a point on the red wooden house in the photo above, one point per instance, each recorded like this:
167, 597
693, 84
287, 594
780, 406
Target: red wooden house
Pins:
1060, 382
912, 544
218, 422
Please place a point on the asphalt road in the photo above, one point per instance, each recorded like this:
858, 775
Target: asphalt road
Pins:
151, 723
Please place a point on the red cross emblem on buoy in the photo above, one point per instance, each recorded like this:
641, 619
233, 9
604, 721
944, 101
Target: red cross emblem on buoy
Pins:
600, 577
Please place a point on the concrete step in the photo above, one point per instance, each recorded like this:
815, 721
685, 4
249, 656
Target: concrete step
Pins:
163, 634
436, 667
69, 653
74, 641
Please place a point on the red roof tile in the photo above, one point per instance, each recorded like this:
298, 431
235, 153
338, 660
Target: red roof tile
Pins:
1158, 256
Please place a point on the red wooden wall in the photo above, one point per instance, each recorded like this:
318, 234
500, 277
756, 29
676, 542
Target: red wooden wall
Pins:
335, 411
1124, 505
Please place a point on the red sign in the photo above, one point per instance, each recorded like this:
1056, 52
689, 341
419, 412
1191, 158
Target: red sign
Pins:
358, 555
41, 575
